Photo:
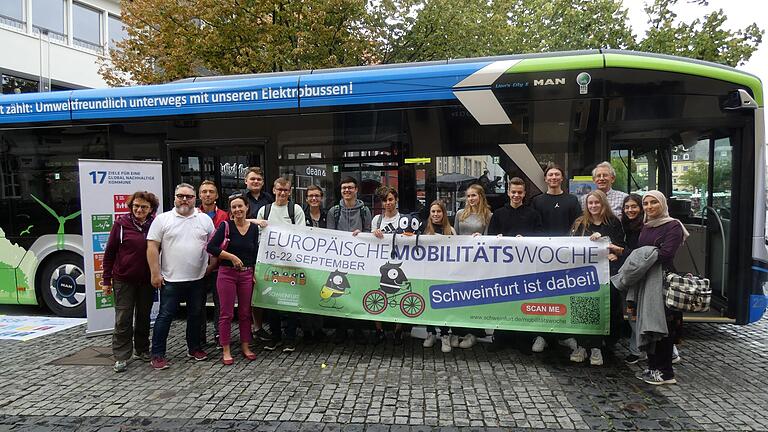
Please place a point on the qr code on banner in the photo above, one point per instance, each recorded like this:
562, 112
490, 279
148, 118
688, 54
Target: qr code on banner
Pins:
585, 310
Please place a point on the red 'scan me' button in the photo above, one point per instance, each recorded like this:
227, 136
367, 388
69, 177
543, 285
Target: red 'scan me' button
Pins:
543, 309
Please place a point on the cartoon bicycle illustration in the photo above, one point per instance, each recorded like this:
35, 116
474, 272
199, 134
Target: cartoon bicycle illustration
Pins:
395, 291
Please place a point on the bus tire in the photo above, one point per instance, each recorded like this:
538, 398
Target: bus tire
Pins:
61, 285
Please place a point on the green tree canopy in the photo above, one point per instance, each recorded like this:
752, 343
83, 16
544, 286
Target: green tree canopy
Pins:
172, 39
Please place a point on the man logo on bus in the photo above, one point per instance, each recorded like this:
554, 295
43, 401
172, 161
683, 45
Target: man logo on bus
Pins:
583, 79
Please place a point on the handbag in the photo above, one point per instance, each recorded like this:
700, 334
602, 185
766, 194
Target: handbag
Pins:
225, 242
686, 293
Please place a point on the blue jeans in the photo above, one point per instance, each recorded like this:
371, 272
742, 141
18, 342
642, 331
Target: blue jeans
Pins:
171, 295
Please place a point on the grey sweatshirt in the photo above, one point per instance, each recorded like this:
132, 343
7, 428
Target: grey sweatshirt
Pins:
349, 219
640, 277
472, 224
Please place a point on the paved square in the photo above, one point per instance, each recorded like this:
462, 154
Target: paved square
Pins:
722, 386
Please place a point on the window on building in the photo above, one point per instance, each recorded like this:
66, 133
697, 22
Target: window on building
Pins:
686, 156
16, 85
49, 17
86, 25
12, 13
685, 168
116, 31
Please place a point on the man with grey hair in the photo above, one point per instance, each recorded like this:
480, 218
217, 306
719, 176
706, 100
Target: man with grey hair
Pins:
178, 262
604, 175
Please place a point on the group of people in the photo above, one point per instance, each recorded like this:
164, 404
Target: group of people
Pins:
191, 251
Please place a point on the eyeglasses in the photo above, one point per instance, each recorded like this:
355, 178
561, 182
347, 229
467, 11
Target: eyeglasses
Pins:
284, 190
140, 206
314, 196
347, 187
183, 197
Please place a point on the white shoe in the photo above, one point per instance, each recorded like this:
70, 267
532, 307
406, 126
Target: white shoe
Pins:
539, 344
570, 343
429, 342
468, 342
676, 355
120, 366
454, 341
446, 344
579, 355
596, 357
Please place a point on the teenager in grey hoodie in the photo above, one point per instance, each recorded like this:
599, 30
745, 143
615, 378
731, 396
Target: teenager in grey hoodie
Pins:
350, 215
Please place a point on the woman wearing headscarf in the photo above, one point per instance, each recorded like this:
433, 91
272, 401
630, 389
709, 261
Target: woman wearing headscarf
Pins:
667, 234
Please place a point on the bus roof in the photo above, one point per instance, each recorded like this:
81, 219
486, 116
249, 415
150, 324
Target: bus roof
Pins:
410, 82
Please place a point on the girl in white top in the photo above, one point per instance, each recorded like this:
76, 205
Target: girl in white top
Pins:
386, 223
472, 220
438, 224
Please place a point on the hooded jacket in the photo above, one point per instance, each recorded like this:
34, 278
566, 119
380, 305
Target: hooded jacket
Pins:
349, 219
125, 257
640, 277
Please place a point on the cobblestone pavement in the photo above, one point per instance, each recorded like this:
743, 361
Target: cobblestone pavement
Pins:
722, 386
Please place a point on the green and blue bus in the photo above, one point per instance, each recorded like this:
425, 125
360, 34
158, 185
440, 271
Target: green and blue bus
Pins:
692, 129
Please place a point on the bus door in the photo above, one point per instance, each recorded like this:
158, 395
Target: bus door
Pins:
694, 169
224, 162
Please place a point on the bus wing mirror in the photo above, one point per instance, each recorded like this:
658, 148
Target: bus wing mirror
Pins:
739, 99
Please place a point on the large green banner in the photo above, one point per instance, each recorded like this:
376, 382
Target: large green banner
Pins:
543, 284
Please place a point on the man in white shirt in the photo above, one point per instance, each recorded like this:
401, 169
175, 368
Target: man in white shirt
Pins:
604, 175
280, 212
178, 262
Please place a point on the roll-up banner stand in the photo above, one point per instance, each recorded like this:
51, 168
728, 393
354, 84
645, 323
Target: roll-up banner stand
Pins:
105, 186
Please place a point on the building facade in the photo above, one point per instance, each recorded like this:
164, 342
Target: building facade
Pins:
51, 45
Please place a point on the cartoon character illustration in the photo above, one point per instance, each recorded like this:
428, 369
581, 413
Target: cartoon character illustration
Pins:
395, 291
335, 286
61, 219
392, 276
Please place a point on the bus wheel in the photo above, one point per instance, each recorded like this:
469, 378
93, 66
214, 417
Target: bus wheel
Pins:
61, 284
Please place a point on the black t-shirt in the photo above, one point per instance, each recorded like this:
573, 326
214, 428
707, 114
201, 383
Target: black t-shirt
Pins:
558, 212
509, 221
241, 246
254, 204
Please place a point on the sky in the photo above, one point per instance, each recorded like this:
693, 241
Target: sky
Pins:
740, 13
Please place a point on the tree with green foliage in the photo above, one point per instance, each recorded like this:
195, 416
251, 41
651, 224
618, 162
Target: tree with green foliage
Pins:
172, 39
704, 38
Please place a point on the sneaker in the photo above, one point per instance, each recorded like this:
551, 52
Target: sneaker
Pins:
290, 346
120, 366
468, 342
579, 355
145, 357
539, 344
446, 344
656, 378
262, 335
596, 357
272, 345
429, 342
159, 363
633, 359
676, 359
570, 343
454, 341
198, 355
643, 375
217, 341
